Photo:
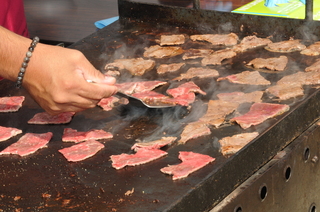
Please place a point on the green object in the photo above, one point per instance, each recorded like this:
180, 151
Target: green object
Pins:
292, 9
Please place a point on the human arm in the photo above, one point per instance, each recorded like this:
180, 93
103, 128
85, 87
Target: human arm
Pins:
55, 76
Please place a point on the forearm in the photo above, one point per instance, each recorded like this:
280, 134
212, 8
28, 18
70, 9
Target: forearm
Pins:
13, 49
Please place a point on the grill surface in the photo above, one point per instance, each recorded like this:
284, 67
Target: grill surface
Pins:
45, 181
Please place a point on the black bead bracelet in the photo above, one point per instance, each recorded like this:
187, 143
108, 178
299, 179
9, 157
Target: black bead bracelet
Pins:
25, 62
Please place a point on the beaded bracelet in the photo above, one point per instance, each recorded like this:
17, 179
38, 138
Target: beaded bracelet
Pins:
26, 60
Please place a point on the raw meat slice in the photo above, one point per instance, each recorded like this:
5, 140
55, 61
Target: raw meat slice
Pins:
191, 162
286, 46
157, 51
168, 68
167, 40
28, 144
142, 156
312, 50
247, 77
314, 67
240, 97
251, 42
137, 87
217, 39
259, 112
301, 78
11, 104
194, 130
198, 72
8, 132
136, 66
46, 118
71, 135
232, 144
273, 64
196, 53
108, 103
217, 112
217, 57
184, 99
286, 91
185, 88
82, 150
157, 144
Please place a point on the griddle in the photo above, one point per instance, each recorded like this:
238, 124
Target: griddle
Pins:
45, 181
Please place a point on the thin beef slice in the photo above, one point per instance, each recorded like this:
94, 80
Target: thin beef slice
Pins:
28, 144
259, 112
46, 118
71, 135
156, 144
198, 72
142, 156
232, 144
246, 77
11, 104
8, 132
82, 150
191, 162
194, 130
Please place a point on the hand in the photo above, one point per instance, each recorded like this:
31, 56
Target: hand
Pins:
57, 79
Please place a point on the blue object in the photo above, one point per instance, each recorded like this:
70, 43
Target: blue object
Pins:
102, 23
273, 3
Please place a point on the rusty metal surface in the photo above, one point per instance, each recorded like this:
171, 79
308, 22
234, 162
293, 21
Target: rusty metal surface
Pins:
287, 183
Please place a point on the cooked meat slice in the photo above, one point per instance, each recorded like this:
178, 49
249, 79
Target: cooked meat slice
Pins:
217, 57
217, 112
286, 46
142, 156
28, 144
46, 118
196, 53
169, 40
217, 39
136, 87
286, 91
259, 112
168, 68
82, 150
71, 135
274, 64
240, 97
247, 77
198, 72
314, 67
251, 42
191, 162
136, 66
312, 50
157, 51
184, 89
149, 96
8, 132
108, 103
112, 73
156, 144
301, 78
232, 144
11, 104
194, 130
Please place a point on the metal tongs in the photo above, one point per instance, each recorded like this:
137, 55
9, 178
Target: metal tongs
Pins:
149, 104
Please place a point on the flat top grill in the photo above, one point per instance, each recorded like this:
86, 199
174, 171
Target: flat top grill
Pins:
46, 181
